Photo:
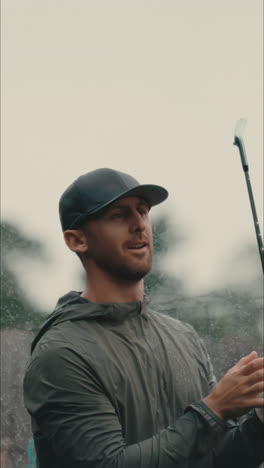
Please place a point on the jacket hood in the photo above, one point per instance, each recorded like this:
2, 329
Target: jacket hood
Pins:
73, 306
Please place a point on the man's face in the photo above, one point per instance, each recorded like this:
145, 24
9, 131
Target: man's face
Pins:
120, 239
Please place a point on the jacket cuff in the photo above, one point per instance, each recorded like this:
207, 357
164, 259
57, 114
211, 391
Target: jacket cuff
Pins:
215, 423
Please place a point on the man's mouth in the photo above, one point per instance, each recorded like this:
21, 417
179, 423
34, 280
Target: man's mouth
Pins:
137, 246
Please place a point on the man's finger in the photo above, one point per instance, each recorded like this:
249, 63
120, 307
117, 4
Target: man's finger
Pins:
257, 403
246, 359
253, 366
254, 377
256, 388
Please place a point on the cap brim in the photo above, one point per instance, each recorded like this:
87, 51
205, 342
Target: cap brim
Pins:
153, 194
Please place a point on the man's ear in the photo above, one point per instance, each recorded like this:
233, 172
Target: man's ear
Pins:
76, 240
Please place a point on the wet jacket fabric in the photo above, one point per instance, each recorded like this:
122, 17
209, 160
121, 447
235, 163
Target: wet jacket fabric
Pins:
120, 386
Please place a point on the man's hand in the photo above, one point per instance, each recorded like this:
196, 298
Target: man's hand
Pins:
237, 392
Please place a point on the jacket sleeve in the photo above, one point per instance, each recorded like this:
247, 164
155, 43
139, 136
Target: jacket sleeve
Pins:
73, 411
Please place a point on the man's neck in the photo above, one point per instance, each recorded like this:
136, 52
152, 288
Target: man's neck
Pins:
108, 289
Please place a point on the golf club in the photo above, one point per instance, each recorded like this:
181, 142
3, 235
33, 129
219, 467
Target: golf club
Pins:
240, 144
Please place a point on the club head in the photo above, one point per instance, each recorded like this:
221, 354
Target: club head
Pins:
238, 141
240, 127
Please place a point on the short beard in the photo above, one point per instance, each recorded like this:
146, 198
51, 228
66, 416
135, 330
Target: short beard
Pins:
120, 271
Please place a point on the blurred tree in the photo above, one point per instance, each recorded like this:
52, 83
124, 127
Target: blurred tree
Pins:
158, 283
19, 318
221, 313
16, 309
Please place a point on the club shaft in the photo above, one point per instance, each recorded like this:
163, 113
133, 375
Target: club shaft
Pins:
240, 144
255, 218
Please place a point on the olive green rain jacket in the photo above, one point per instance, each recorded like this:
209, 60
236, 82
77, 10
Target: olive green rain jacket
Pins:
119, 386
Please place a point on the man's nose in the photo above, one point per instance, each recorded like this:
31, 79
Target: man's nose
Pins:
138, 223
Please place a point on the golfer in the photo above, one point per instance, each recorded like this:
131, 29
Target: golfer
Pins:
112, 383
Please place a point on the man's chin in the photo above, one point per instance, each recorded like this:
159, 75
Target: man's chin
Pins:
133, 274
124, 271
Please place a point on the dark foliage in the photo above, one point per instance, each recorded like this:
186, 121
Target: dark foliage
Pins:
16, 309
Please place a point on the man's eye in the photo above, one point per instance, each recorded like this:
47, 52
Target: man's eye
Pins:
143, 211
116, 215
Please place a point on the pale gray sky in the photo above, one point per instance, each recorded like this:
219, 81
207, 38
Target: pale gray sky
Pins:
153, 88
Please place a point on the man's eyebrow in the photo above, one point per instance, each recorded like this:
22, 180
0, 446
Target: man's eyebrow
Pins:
114, 207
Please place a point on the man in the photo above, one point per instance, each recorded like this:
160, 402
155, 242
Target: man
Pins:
113, 384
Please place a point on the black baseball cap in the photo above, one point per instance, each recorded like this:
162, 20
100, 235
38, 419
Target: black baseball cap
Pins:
95, 190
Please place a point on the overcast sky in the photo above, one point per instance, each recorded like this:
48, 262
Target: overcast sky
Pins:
152, 88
